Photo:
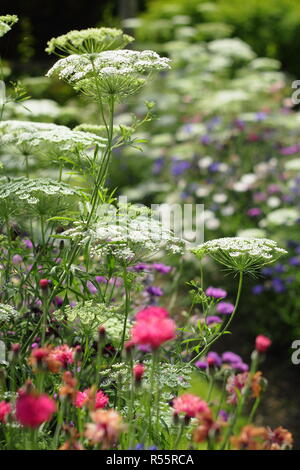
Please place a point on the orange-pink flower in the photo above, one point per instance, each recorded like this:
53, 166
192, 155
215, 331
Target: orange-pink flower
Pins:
190, 405
105, 428
89, 398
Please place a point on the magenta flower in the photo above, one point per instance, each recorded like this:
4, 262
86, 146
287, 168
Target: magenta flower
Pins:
213, 320
216, 292
225, 308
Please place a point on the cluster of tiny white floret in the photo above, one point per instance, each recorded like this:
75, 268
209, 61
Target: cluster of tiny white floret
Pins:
28, 190
6, 22
49, 139
117, 72
129, 234
241, 254
14, 126
90, 316
89, 40
7, 313
76, 67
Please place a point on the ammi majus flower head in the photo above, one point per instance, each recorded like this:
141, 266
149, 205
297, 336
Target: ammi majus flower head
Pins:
50, 139
7, 313
88, 41
39, 196
239, 254
109, 74
89, 316
128, 233
6, 22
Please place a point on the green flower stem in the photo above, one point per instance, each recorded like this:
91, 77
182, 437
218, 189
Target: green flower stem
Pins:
179, 436
131, 404
152, 385
241, 403
127, 307
226, 325
254, 409
59, 423
8, 264
44, 318
211, 386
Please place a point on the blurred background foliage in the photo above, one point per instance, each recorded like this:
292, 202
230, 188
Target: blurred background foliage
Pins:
270, 27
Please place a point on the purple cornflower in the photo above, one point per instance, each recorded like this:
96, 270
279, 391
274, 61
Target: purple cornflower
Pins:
225, 308
278, 285
231, 357
290, 150
206, 139
260, 116
213, 319
258, 289
240, 366
139, 447
294, 261
158, 165
279, 268
17, 259
201, 364
224, 415
254, 212
179, 167
155, 291
214, 167
267, 271
141, 267
216, 292
161, 268
101, 279
213, 358
58, 301
93, 290
28, 243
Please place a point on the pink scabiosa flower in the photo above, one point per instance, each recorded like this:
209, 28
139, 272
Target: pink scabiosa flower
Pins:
216, 292
213, 320
153, 332
63, 354
225, 308
105, 428
190, 405
5, 409
262, 343
89, 398
33, 408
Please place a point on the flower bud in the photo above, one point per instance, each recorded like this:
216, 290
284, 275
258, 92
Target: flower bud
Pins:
262, 343
138, 372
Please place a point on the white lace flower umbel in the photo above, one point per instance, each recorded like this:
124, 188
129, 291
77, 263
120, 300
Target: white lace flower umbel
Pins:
7, 313
39, 196
129, 234
47, 139
6, 23
91, 40
241, 254
114, 73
